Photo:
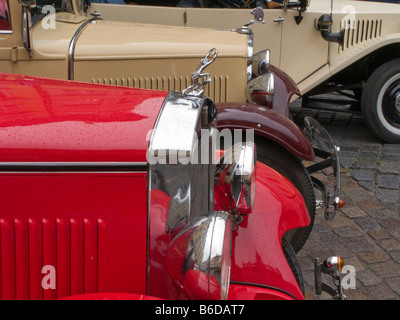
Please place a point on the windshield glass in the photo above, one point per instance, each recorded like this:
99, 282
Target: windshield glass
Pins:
58, 5
46, 7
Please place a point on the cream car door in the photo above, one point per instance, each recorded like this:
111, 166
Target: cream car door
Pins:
304, 52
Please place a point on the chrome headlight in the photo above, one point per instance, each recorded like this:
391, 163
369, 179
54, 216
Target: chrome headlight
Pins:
236, 177
261, 62
199, 257
250, 51
260, 90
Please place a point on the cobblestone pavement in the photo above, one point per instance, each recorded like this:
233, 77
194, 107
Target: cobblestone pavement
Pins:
366, 232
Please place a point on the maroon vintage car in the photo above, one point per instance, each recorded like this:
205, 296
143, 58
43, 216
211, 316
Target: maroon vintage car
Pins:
121, 192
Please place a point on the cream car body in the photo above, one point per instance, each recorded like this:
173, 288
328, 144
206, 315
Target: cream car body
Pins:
368, 50
71, 45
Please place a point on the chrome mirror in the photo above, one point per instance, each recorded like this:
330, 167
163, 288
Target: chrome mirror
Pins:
235, 177
199, 257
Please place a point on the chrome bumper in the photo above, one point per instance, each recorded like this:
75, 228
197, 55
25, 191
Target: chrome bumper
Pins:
326, 150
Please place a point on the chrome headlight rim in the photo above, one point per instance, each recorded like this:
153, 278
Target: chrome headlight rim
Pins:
236, 177
261, 89
261, 62
199, 257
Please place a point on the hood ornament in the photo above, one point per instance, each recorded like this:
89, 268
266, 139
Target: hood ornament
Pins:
200, 79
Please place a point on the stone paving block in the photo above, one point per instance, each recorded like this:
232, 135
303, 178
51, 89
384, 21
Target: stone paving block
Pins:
373, 256
358, 294
348, 231
358, 195
387, 181
347, 163
395, 255
379, 234
368, 224
394, 284
382, 292
367, 185
363, 174
387, 269
389, 244
380, 212
387, 195
366, 164
389, 167
390, 157
368, 278
348, 147
390, 224
352, 211
368, 155
358, 244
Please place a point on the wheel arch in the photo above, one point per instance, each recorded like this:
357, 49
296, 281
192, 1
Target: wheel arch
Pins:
266, 123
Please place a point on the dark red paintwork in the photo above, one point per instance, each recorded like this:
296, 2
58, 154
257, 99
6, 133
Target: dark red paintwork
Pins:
285, 89
266, 123
92, 226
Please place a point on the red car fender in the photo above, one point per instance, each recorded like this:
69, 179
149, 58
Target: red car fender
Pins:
267, 123
258, 264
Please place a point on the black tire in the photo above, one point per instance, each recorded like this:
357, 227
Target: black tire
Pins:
294, 265
276, 157
380, 101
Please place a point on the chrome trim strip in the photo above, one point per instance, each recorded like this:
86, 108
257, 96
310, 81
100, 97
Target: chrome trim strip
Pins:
73, 166
6, 32
72, 45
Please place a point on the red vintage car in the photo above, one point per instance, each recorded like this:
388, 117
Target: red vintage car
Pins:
116, 191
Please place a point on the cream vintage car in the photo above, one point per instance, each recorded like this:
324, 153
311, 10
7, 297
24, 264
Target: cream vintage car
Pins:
57, 39
324, 45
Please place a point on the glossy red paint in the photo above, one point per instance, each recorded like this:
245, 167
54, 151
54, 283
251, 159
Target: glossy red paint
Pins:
45, 120
247, 292
90, 226
110, 296
257, 255
266, 123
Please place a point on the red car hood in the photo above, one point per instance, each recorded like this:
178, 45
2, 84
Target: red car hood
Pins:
46, 120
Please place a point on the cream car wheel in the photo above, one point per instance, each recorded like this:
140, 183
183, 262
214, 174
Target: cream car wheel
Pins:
380, 101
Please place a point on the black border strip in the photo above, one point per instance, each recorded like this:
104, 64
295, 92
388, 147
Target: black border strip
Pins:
72, 166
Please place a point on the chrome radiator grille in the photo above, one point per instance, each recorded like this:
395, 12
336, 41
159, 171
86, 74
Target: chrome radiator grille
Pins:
217, 90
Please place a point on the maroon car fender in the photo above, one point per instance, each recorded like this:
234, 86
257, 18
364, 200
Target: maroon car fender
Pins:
266, 123
285, 89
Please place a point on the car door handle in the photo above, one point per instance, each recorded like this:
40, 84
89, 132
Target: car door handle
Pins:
278, 20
